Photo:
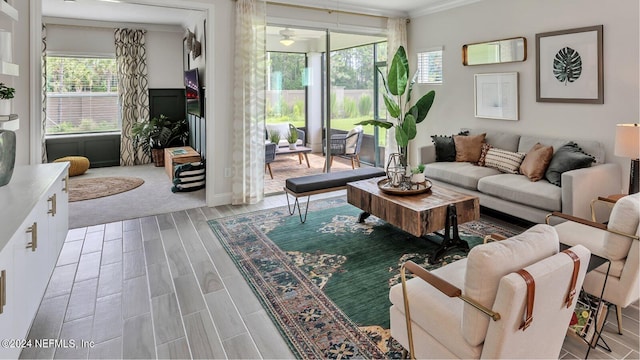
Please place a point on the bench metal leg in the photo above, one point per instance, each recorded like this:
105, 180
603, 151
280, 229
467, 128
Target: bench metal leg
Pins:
296, 203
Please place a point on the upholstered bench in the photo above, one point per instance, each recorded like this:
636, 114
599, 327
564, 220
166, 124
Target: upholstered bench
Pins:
322, 183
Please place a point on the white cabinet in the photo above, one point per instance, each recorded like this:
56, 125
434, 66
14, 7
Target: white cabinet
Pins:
33, 226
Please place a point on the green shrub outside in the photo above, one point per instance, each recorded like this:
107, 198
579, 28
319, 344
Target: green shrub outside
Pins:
365, 105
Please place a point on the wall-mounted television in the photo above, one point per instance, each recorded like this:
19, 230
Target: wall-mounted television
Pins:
193, 92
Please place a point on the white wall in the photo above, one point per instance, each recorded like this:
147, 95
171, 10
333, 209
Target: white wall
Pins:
496, 19
163, 43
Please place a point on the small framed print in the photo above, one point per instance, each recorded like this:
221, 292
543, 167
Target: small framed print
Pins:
496, 96
569, 66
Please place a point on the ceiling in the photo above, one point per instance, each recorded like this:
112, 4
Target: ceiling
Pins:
128, 11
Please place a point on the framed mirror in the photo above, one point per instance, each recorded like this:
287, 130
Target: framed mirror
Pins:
495, 52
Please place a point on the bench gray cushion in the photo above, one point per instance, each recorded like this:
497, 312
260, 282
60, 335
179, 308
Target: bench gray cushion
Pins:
330, 180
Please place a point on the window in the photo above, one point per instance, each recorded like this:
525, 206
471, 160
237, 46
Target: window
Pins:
285, 88
430, 66
82, 95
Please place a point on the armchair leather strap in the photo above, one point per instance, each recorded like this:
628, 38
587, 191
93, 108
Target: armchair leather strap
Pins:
531, 294
574, 278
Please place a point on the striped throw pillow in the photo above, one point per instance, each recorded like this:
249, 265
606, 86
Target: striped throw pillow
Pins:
503, 160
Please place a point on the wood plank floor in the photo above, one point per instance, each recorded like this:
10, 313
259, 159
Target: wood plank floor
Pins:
163, 287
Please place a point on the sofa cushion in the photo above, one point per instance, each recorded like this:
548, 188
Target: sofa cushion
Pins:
468, 148
488, 263
568, 157
499, 139
445, 148
591, 147
518, 188
504, 160
461, 174
536, 161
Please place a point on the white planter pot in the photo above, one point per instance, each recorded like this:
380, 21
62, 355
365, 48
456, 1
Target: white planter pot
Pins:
5, 106
292, 146
417, 178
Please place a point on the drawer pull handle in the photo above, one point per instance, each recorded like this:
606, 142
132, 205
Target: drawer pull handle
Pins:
3, 289
33, 229
65, 180
52, 199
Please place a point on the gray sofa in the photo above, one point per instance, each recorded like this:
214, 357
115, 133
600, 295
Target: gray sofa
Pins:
518, 196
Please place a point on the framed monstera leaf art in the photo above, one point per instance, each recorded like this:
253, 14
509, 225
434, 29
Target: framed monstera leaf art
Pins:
569, 66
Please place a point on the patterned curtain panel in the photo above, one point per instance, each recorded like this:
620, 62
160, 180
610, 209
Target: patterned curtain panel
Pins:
396, 36
133, 90
43, 65
249, 103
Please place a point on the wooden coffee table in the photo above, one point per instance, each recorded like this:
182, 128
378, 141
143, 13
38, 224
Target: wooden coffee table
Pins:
422, 214
302, 151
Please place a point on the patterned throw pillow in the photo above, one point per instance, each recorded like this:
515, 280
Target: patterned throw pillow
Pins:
189, 177
483, 153
503, 160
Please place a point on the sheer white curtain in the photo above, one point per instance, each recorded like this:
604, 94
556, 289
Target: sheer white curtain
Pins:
249, 102
396, 36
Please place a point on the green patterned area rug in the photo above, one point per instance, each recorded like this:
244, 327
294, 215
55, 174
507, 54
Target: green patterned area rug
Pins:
325, 283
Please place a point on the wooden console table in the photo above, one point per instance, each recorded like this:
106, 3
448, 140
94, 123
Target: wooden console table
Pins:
178, 155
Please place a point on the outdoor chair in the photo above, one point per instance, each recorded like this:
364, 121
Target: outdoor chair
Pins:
508, 299
269, 156
616, 241
348, 145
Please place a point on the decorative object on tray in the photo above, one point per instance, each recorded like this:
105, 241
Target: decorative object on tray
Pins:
418, 188
396, 83
569, 66
417, 174
496, 96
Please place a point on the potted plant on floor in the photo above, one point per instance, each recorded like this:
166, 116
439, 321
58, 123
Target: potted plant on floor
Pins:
397, 99
6, 94
155, 134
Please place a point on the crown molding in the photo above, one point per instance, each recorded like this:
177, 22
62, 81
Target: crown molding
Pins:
441, 5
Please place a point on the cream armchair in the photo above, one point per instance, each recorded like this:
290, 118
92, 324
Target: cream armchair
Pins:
616, 241
478, 307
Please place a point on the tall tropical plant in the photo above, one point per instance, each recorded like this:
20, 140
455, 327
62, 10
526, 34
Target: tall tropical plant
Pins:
396, 85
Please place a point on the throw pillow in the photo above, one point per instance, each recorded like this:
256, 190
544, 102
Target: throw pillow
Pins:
483, 153
445, 148
503, 160
568, 157
535, 163
468, 148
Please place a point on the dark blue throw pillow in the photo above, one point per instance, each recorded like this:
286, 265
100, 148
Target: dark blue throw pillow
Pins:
568, 157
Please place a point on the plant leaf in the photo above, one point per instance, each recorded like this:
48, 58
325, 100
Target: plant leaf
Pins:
422, 107
398, 73
411, 83
401, 137
392, 107
409, 127
383, 124
384, 81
